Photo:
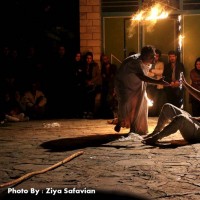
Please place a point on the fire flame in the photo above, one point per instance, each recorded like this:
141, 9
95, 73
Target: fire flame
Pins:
156, 12
180, 41
148, 16
149, 102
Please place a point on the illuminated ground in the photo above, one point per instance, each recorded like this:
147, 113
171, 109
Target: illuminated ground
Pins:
168, 171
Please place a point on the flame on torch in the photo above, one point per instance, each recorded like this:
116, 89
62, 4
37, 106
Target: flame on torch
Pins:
180, 41
148, 17
149, 102
154, 13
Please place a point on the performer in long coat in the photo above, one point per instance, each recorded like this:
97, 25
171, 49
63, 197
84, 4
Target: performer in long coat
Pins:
130, 85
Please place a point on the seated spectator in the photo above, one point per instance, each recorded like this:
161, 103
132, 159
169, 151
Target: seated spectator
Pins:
195, 82
79, 79
92, 87
12, 108
35, 101
114, 109
108, 71
14, 117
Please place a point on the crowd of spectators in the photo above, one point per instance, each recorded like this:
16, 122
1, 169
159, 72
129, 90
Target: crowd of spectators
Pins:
35, 85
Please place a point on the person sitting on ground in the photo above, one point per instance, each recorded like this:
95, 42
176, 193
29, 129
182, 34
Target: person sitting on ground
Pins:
108, 71
35, 101
114, 109
195, 82
15, 113
12, 108
181, 120
92, 87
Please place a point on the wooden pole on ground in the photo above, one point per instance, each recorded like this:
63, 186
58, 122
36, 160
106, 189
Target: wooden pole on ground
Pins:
28, 175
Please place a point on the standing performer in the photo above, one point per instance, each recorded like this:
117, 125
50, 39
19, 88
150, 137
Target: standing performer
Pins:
131, 91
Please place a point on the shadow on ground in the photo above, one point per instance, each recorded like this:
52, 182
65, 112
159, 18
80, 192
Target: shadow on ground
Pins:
66, 144
170, 144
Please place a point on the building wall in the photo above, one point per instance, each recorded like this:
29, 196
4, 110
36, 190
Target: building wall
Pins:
120, 37
90, 27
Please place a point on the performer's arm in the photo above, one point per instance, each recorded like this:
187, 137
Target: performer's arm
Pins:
194, 92
195, 118
151, 80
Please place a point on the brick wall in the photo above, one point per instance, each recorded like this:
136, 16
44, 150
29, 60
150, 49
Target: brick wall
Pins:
90, 27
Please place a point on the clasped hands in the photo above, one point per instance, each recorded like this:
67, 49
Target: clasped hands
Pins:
173, 84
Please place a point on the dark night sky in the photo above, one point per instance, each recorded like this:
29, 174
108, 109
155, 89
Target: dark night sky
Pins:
39, 22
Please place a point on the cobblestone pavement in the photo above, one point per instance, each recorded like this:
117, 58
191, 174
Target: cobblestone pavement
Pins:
108, 163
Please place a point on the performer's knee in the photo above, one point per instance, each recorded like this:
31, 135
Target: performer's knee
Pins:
180, 119
166, 106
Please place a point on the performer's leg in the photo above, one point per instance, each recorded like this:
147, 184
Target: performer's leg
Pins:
181, 122
167, 114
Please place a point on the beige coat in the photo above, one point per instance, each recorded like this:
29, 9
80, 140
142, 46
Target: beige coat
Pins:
157, 72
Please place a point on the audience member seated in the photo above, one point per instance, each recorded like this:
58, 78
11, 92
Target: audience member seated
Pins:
35, 101
195, 83
79, 79
93, 81
108, 71
12, 109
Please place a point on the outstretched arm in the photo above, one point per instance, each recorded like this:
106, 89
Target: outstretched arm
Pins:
194, 92
195, 118
151, 80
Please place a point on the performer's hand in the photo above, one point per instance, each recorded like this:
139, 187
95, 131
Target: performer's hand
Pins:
163, 82
175, 84
151, 74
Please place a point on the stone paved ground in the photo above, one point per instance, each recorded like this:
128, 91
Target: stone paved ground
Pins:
168, 171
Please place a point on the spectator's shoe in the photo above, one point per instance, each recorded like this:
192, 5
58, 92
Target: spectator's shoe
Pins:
84, 115
23, 118
2, 122
10, 118
90, 115
110, 121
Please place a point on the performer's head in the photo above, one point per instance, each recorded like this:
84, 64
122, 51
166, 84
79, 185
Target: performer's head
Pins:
148, 54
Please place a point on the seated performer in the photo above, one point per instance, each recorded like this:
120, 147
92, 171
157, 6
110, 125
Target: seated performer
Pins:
172, 119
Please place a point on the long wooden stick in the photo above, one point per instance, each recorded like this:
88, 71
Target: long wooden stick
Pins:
28, 175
